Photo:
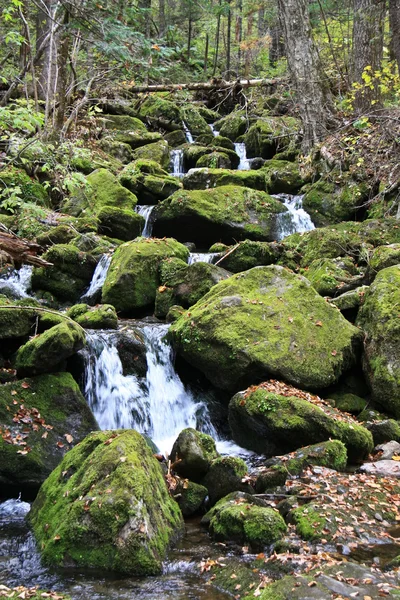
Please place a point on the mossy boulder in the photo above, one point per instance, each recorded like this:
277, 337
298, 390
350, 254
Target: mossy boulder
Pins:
157, 151
158, 109
349, 403
193, 120
274, 423
48, 350
61, 234
224, 476
121, 223
382, 258
129, 130
187, 285
215, 160
334, 199
190, 497
384, 431
199, 179
30, 189
70, 274
351, 300
120, 151
378, 317
221, 142
15, 322
227, 213
233, 125
101, 316
282, 177
270, 135
133, 277
192, 454
40, 420
107, 506
249, 254
327, 275
258, 324
192, 153
247, 524
175, 138
148, 181
123, 123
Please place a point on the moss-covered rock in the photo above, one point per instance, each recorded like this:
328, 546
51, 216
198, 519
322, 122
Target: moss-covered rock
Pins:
327, 275
120, 151
282, 177
133, 277
270, 135
349, 403
155, 108
30, 190
215, 160
221, 142
193, 120
272, 423
157, 151
190, 497
246, 523
175, 138
383, 257
258, 324
226, 213
107, 506
224, 476
192, 454
384, 431
351, 300
70, 274
233, 125
121, 223
61, 234
199, 179
378, 317
334, 198
123, 123
249, 254
16, 322
148, 181
46, 351
40, 419
101, 316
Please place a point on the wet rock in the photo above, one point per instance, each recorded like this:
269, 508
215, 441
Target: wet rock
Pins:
349, 403
382, 258
148, 181
192, 454
120, 223
101, 316
199, 179
270, 135
327, 275
190, 497
157, 151
282, 177
225, 476
215, 160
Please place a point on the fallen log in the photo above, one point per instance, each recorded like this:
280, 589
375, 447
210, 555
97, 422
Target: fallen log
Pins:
19, 250
214, 84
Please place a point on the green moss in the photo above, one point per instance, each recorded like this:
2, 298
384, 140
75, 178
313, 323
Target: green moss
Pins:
191, 498
215, 160
193, 120
326, 275
215, 177
101, 316
123, 224
383, 257
249, 254
157, 152
149, 181
107, 191
270, 135
233, 125
30, 189
193, 453
225, 476
156, 108
123, 123
282, 177
349, 403
96, 510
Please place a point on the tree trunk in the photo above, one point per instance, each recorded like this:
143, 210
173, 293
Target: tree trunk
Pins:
239, 35
62, 74
312, 94
367, 49
394, 21
217, 39
206, 55
161, 17
250, 18
189, 39
228, 40
219, 84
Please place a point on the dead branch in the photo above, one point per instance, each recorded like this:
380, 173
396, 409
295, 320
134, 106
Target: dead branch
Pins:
20, 250
215, 84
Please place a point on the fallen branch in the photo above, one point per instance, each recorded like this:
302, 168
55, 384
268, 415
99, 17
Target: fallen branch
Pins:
227, 254
214, 84
20, 250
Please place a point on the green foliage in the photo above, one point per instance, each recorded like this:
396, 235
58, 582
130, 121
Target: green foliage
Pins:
19, 117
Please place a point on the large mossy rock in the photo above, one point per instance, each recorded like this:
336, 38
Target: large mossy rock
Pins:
331, 200
327, 275
30, 189
225, 475
192, 153
46, 351
266, 322
133, 277
199, 179
276, 422
101, 316
382, 258
129, 130
158, 110
233, 125
270, 135
227, 213
282, 177
70, 274
157, 151
107, 506
378, 317
192, 454
120, 223
248, 254
246, 523
193, 120
40, 420
148, 181
215, 160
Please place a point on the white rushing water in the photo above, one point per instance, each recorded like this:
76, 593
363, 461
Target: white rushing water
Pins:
214, 131
17, 282
207, 257
157, 405
177, 163
146, 212
188, 135
99, 277
295, 220
240, 150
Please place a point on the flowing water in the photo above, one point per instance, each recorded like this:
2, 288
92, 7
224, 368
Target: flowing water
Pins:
188, 135
207, 257
240, 149
295, 220
98, 279
177, 163
146, 212
17, 283
214, 131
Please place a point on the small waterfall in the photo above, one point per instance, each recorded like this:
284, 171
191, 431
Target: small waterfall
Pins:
146, 212
240, 150
207, 257
296, 220
17, 283
214, 131
99, 277
157, 405
177, 163
188, 135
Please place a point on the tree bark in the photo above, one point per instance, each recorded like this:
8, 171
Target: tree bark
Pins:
312, 94
219, 84
228, 40
161, 17
394, 21
367, 49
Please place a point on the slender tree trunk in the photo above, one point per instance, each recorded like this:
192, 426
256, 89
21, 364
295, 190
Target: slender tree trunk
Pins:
217, 34
367, 49
62, 74
311, 91
261, 21
161, 17
189, 39
228, 40
206, 55
239, 35
394, 21
250, 19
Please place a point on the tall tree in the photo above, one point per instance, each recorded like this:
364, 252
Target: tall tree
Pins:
368, 25
312, 92
394, 20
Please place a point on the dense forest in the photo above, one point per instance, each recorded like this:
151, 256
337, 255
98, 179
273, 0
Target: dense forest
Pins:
199, 299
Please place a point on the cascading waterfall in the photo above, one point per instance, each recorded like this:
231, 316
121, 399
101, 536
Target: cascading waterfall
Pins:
188, 135
240, 149
177, 163
214, 131
157, 405
207, 257
295, 220
17, 282
146, 212
99, 277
